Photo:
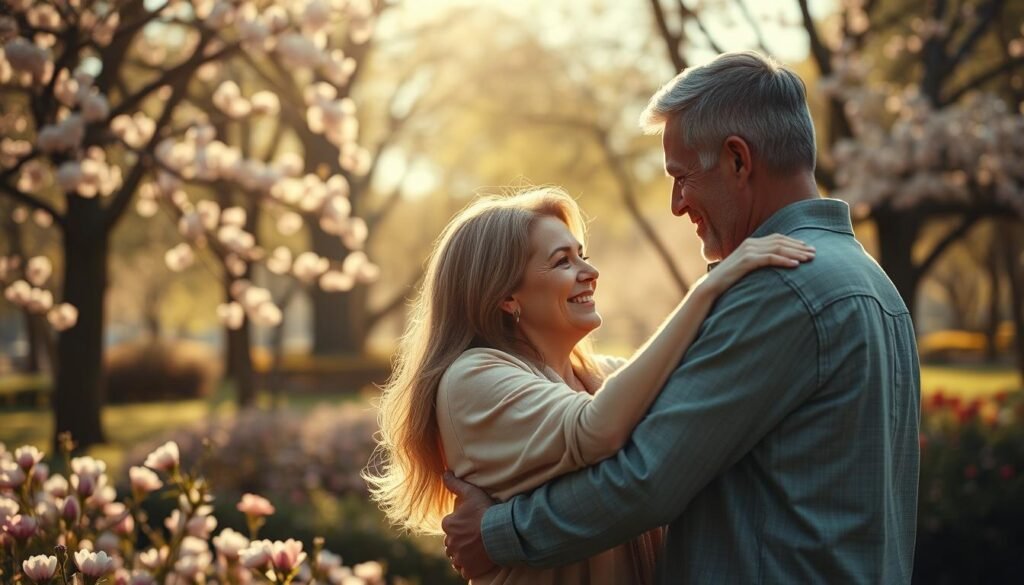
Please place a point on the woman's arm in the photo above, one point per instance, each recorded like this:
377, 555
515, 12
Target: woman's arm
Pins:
621, 401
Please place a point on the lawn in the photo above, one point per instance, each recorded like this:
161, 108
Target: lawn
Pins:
127, 425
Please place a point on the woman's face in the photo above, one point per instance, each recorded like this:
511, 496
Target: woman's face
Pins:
556, 296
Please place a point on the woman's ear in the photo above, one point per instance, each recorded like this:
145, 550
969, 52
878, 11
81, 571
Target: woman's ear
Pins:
510, 305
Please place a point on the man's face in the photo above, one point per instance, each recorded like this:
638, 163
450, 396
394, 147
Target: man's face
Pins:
707, 197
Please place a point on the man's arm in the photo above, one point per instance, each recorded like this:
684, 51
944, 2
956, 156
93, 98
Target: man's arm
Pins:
755, 360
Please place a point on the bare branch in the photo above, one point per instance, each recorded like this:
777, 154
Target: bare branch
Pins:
758, 34
22, 197
672, 40
949, 239
400, 298
990, 13
822, 55
982, 78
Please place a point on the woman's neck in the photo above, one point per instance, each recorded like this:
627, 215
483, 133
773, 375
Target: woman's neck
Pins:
557, 356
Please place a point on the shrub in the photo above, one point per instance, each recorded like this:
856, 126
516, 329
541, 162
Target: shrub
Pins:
971, 497
75, 529
160, 370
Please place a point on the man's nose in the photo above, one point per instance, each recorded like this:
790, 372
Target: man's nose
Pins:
678, 203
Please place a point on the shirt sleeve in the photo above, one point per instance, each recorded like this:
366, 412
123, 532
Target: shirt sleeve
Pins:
755, 359
517, 429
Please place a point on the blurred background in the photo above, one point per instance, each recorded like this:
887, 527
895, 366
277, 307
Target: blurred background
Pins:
213, 215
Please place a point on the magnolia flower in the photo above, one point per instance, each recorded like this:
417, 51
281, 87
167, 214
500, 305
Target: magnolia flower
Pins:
371, 571
71, 509
190, 565
37, 271
287, 555
309, 266
231, 315
107, 542
164, 458
93, 564
62, 317
334, 281
179, 257
95, 107
65, 135
40, 568
299, 51
256, 555
326, 560
11, 476
144, 480
56, 486
230, 543
153, 558
267, 315
18, 292
87, 474
289, 223
24, 55
254, 505
40, 472
27, 455
8, 508
201, 526
265, 103
21, 527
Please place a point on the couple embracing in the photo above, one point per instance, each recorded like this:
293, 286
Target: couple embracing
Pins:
766, 433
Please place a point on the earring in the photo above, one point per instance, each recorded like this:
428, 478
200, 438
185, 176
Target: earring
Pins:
515, 315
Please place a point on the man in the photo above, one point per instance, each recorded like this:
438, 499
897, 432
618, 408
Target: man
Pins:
784, 448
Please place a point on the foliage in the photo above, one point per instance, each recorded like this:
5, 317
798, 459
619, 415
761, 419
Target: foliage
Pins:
155, 370
971, 498
95, 538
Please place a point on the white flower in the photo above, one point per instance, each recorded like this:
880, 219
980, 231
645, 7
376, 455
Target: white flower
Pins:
179, 257
24, 55
38, 271
27, 456
63, 316
289, 223
144, 480
231, 314
11, 476
297, 50
309, 266
95, 107
256, 555
164, 458
93, 564
230, 543
334, 281
40, 568
265, 103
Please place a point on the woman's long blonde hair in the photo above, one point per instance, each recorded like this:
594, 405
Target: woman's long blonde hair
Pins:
478, 261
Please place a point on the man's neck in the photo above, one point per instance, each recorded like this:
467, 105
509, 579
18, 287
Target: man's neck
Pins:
776, 193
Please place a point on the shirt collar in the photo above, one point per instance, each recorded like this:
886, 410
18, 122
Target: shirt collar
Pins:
827, 214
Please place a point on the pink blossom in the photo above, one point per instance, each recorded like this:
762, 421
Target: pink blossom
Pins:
93, 564
144, 480
40, 568
22, 527
71, 509
37, 271
164, 458
56, 486
8, 508
11, 476
230, 543
287, 555
256, 555
63, 316
371, 571
27, 456
254, 505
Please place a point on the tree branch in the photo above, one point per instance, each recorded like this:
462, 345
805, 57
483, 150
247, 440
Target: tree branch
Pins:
672, 41
983, 78
22, 197
758, 34
949, 239
990, 12
822, 55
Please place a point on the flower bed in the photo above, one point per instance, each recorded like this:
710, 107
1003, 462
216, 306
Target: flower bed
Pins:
971, 497
75, 529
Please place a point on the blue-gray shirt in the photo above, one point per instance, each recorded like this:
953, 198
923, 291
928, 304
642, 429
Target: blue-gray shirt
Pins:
784, 448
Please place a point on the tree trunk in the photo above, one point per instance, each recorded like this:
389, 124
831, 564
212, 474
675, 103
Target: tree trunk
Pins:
339, 318
238, 358
897, 233
995, 286
78, 396
1015, 276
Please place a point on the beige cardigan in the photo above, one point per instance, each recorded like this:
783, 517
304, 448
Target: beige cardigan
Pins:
508, 427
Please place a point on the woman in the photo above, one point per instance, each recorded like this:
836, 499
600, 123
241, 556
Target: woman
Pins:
495, 379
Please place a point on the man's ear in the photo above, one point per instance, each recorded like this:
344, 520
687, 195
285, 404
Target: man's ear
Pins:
737, 155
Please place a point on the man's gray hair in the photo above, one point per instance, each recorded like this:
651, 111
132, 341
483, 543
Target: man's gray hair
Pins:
744, 94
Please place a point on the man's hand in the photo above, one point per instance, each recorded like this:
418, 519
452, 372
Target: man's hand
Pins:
463, 541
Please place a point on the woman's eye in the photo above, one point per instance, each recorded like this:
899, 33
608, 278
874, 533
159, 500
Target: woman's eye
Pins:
562, 262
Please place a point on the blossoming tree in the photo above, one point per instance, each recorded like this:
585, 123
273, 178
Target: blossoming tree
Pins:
96, 110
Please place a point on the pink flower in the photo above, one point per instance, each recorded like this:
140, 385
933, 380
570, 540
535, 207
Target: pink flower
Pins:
164, 458
71, 509
21, 527
27, 456
144, 480
230, 543
40, 568
11, 476
93, 564
257, 555
253, 505
287, 555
